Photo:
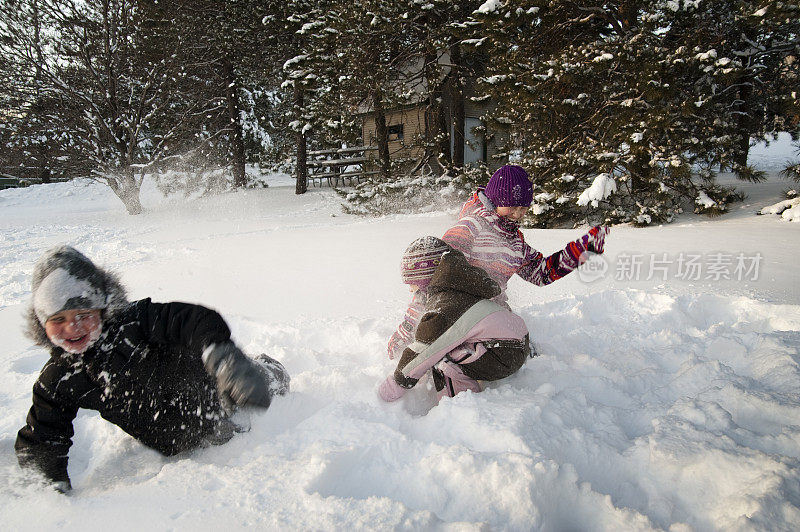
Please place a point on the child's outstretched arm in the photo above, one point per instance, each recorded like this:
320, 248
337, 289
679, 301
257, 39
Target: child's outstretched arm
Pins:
541, 270
404, 334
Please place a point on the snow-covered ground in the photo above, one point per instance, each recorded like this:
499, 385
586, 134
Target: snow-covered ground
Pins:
666, 396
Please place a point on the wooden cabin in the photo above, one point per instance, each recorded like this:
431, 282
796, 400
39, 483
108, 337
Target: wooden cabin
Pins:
406, 126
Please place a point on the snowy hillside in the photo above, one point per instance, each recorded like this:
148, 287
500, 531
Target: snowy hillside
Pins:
665, 397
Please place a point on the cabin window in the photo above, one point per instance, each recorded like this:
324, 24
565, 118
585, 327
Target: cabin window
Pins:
395, 132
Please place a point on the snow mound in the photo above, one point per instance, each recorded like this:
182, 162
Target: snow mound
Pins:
642, 412
788, 209
672, 407
792, 214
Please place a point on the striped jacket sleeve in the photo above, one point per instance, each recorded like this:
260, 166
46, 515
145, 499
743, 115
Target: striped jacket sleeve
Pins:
462, 236
541, 270
404, 334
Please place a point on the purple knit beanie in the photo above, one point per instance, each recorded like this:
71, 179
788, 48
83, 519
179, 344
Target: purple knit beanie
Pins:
510, 186
420, 260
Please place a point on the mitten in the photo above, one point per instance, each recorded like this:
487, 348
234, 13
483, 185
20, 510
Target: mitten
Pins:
390, 391
237, 376
597, 238
395, 345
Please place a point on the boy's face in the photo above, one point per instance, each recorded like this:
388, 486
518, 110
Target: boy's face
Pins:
74, 330
512, 213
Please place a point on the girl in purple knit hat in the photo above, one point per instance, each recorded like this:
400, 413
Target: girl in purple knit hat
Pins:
488, 234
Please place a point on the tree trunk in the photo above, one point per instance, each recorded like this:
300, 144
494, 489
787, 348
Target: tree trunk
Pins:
432, 113
44, 169
235, 125
639, 169
459, 118
444, 154
628, 13
382, 135
132, 203
301, 185
38, 108
126, 189
745, 125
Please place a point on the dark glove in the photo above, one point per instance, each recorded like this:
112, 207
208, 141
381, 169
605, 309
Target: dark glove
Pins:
237, 376
275, 374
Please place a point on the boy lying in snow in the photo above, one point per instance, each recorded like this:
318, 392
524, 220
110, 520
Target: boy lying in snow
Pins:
463, 336
167, 374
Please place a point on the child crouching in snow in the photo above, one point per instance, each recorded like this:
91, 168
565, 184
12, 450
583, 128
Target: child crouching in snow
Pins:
488, 234
168, 374
463, 336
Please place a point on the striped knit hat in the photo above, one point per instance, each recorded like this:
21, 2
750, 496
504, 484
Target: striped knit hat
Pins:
421, 259
510, 186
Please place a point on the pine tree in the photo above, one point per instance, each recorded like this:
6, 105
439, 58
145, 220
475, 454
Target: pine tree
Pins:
615, 106
225, 55
34, 145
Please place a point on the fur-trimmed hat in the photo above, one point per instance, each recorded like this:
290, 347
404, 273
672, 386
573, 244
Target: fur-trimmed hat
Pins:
64, 279
420, 260
510, 186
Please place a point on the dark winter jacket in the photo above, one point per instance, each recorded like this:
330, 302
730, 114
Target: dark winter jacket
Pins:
461, 322
145, 374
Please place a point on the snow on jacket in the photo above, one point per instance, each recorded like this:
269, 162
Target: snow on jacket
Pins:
460, 321
145, 374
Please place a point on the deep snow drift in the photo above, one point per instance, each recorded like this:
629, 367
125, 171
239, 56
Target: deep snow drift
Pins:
664, 397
